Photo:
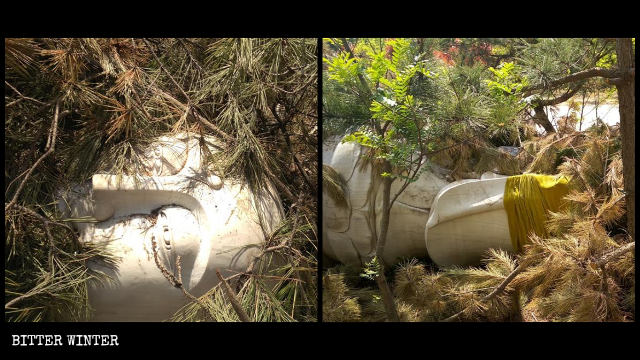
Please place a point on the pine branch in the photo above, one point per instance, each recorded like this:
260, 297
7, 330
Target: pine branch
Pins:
581, 75
503, 285
233, 299
22, 97
166, 71
613, 255
186, 108
201, 119
283, 244
601, 262
497, 291
283, 129
560, 99
51, 145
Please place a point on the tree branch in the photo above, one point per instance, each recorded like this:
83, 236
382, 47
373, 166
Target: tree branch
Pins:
165, 70
365, 87
497, 291
201, 119
363, 82
581, 75
285, 134
283, 244
42, 218
184, 107
560, 99
616, 253
233, 299
503, 285
51, 145
22, 97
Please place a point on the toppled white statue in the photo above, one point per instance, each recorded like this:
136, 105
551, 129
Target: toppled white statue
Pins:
350, 232
467, 218
452, 223
187, 211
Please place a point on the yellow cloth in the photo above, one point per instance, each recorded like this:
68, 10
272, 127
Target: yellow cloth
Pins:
527, 198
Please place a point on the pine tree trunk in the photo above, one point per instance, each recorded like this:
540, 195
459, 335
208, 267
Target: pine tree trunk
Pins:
626, 103
541, 118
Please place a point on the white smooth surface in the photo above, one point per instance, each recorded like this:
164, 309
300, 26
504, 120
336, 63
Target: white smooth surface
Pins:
211, 223
467, 219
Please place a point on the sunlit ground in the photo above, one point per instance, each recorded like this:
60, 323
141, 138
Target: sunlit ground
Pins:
607, 113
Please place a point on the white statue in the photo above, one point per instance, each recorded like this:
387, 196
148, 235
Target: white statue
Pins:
350, 232
468, 218
452, 223
157, 161
182, 208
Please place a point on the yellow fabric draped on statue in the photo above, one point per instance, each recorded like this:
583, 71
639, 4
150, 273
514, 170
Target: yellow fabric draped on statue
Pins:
527, 200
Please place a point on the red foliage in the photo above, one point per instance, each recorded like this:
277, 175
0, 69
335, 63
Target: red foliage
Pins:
466, 53
480, 59
446, 58
389, 50
481, 52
